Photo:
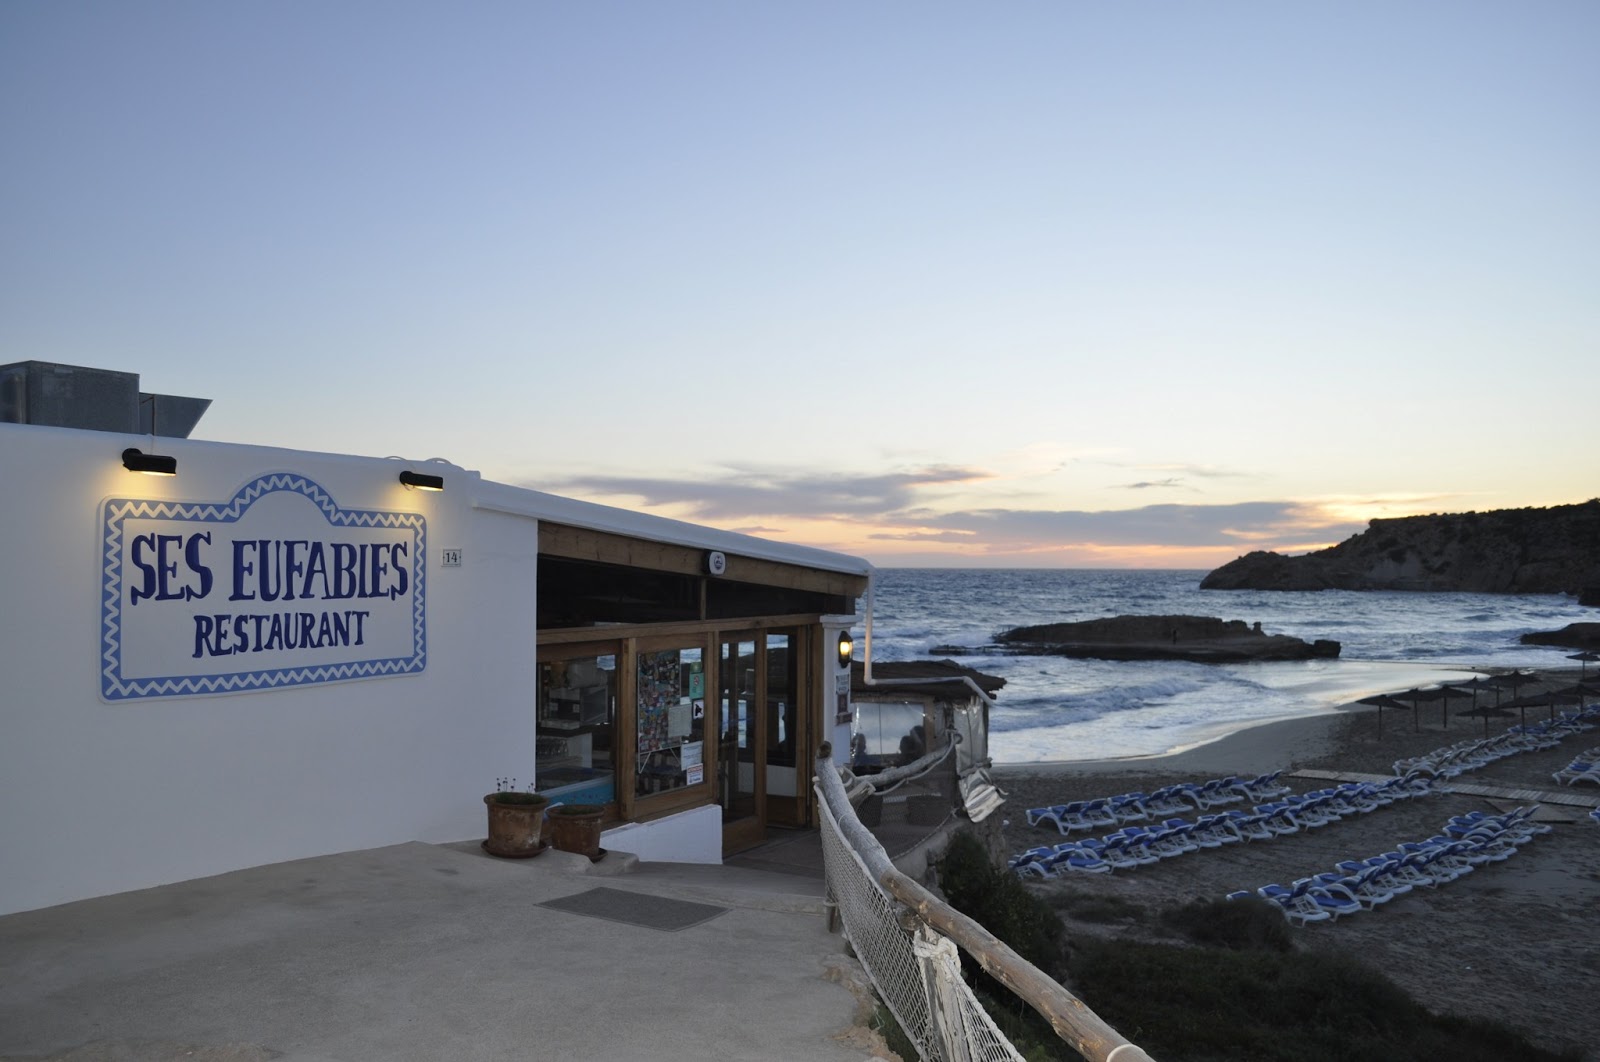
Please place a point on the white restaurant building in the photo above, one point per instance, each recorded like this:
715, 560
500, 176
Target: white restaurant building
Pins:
275, 654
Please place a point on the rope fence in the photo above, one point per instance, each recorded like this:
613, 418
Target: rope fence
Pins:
908, 939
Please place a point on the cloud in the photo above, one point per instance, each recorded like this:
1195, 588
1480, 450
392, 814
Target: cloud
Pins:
1205, 471
1242, 524
965, 538
741, 494
1377, 506
1149, 484
853, 511
1179, 476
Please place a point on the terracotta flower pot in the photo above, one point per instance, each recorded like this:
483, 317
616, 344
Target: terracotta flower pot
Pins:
576, 828
516, 823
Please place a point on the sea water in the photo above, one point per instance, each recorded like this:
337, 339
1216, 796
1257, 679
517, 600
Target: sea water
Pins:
1056, 708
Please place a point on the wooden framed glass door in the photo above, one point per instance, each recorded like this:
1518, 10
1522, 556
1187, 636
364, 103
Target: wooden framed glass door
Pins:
763, 775
742, 740
784, 697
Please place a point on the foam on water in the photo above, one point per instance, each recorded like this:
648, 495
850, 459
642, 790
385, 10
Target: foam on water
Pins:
1057, 708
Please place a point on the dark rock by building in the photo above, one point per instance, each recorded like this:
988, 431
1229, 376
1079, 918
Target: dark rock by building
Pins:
1507, 551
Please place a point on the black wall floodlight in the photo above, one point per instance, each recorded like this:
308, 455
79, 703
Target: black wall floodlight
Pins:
847, 648
135, 460
421, 480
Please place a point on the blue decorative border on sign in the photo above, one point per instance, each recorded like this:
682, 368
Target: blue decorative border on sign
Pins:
114, 687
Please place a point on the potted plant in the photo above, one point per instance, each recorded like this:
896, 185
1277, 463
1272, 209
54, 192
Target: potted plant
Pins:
576, 828
516, 821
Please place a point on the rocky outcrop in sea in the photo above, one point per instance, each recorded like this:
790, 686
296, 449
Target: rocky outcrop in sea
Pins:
1584, 636
1202, 639
1506, 551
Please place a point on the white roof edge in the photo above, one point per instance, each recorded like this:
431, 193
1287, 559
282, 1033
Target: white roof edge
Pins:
288, 454
524, 501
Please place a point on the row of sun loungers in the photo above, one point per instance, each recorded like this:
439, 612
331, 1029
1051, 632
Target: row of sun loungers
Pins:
1471, 755
1466, 843
1584, 768
1168, 800
1136, 846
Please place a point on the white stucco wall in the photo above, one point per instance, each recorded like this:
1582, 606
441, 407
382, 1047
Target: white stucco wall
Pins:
837, 681
693, 836
99, 797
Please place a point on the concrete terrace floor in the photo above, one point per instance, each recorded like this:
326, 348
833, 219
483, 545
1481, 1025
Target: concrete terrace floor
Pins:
430, 952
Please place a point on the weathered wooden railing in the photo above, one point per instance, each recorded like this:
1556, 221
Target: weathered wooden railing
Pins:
903, 935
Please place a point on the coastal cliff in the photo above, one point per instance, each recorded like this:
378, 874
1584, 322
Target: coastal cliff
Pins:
1506, 551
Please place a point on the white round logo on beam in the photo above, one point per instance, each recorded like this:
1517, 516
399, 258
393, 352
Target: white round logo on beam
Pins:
716, 563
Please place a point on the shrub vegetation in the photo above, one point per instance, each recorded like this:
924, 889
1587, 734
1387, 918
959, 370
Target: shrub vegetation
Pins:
1245, 925
1209, 1004
1089, 906
1000, 902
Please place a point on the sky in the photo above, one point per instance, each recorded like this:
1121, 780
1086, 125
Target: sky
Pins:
1066, 284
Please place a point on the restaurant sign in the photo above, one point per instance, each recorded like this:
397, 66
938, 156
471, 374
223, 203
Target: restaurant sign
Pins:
277, 586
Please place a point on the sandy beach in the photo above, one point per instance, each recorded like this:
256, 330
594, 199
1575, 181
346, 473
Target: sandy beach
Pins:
1518, 940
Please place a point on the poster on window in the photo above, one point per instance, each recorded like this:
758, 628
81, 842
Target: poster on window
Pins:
678, 721
658, 696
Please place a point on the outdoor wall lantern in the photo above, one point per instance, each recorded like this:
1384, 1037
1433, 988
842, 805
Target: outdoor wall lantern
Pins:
135, 460
421, 480
846, 648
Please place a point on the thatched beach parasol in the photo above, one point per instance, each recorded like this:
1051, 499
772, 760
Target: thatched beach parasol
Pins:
1435, 693
1416, 697
1580, 691
1548, 699
1486, 711
1479, 683
1382, 701
1513, 681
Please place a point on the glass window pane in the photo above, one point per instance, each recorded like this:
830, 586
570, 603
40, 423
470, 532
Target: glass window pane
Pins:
783, 701
671, 720
886, 734
577, 711
735, 761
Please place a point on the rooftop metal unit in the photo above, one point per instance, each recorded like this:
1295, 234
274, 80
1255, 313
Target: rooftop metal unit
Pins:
74, 396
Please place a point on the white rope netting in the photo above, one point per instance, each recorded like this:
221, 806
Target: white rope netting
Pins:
917, 972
